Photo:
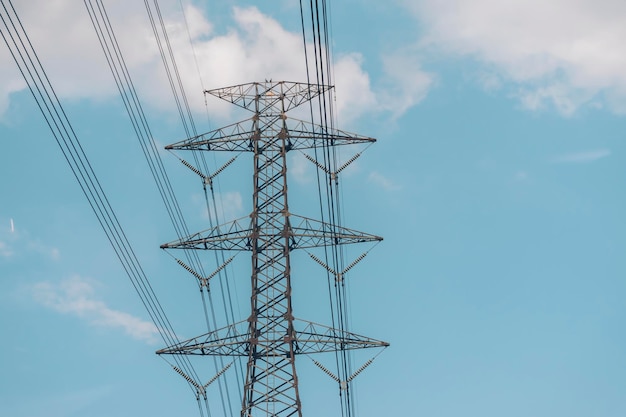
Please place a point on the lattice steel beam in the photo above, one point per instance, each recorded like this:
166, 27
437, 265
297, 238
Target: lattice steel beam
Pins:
233, 340
308, 233
269, 338
239, 137
266, 97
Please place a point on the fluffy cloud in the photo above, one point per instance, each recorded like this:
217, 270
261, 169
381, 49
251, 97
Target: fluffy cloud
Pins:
253, 47
406, 83
67, 45
75, 296
565, 53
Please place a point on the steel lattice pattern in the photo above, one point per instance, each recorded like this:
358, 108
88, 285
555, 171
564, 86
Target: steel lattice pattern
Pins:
271, 337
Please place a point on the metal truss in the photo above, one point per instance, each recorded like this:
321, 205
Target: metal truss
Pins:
267, 97
233, 340
239, 137
271, 337
307, 233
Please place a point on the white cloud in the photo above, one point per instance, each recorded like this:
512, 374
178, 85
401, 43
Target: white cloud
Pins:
76, 296
353, 89
253, 47
66, 43
15, 240
380, 180
48, 251
300, 168
565, 53
11, 84
406, 83
7, 237
229, 206
257, 47
582, 157
5, 250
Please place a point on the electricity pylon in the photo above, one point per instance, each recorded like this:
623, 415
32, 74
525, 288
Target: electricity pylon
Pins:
271, 337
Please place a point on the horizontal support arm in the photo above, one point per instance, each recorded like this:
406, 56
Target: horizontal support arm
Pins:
239, 137
234, 340
271, 93
307, 233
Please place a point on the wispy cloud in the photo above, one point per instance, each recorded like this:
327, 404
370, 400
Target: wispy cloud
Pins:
15, 240
5, 250
229, 206
7, 238
582, 157
405, 82
560, 53
300, 168
382, 181
76, 296
46, 250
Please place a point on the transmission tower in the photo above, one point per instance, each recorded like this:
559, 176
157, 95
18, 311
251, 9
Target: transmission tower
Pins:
271, 337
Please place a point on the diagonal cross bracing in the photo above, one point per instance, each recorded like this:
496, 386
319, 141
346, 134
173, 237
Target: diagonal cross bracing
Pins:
307, 233
309, 338
268, 97
270, 338
301, 135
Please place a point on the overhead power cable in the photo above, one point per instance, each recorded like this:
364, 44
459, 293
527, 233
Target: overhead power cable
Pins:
326, 158
170, 65
28, 63
115, 59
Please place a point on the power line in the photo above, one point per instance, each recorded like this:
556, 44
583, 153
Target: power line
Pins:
29, 65
271, 338
119, 70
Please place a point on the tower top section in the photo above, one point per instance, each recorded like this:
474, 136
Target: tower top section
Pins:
269, 97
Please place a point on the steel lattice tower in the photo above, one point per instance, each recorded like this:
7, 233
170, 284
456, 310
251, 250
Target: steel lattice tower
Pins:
271, 337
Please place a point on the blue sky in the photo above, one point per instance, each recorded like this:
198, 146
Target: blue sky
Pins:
495, 182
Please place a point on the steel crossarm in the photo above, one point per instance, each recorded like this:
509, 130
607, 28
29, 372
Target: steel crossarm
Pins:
307, 233
230, 236
307, 135
239, 137
310, 233
234, 340
235, 137
317, 338
274, 94
231, 340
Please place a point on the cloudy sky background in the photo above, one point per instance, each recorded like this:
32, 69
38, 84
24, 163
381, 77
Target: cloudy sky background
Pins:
496, 183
